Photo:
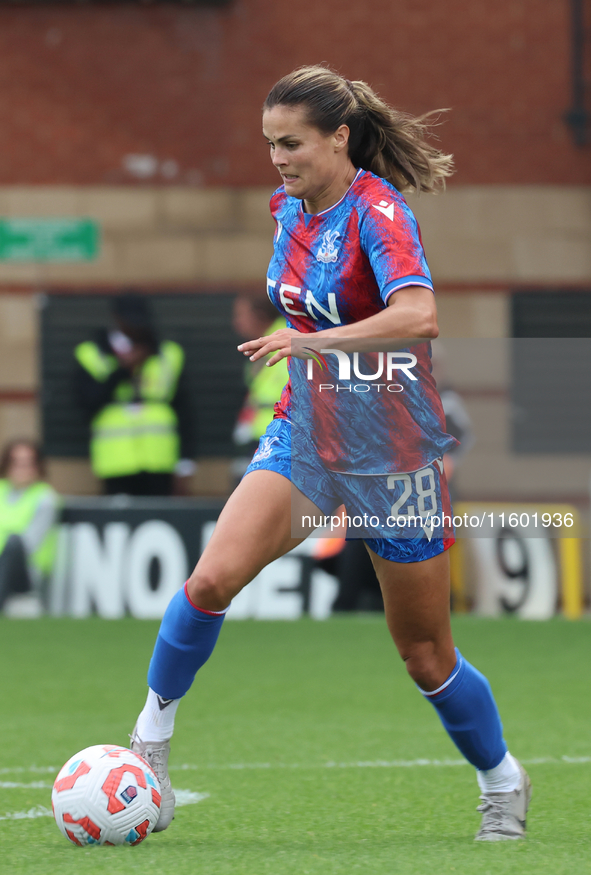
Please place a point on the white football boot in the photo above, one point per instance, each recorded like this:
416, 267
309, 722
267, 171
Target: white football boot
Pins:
503, 814
156, 755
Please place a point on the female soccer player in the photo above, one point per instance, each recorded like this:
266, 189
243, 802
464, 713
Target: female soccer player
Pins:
348, 264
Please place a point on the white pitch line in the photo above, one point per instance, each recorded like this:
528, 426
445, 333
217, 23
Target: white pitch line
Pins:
183, 797
370, 764
188, 797
31, 814
331, 764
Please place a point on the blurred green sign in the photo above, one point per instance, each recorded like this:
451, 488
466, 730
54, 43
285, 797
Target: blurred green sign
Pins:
48, 239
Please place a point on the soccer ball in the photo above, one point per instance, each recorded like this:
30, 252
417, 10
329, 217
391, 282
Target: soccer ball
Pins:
106, 795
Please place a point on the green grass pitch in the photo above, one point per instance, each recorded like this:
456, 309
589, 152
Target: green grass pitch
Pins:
310, 747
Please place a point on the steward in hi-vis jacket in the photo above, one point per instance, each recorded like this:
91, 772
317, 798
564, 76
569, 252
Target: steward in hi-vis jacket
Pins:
264, 391
29, 512
131, 386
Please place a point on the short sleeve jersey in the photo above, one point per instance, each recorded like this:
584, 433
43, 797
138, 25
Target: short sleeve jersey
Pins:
336, 268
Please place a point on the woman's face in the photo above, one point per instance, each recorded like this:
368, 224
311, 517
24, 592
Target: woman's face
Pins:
310, 162
22, 468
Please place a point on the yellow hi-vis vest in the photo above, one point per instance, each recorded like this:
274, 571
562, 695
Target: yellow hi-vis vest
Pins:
130, 436
265, 386
16, 516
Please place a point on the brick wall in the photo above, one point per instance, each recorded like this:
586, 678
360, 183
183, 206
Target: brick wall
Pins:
84, 89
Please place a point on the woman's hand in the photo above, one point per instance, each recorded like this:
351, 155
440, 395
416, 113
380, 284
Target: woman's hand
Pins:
278, 343
410, 316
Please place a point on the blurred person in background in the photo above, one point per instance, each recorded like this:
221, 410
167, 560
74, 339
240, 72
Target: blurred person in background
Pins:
256, 317
131, 386
457, 418
29, 510
459, 425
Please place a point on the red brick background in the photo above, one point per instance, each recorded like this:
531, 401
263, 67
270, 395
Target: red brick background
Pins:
82, 87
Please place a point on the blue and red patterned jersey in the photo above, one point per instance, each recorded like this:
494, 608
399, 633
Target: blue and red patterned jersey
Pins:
336, 268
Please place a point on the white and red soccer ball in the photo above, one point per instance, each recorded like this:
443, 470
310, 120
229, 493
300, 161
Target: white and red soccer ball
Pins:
106, 795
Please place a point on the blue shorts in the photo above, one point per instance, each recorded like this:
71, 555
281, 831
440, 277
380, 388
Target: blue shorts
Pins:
401, 517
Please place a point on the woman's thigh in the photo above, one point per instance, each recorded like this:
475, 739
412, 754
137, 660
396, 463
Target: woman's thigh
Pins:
416, 602
253, 529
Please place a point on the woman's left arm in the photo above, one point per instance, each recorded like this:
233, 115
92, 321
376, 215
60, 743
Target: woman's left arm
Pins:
411, 313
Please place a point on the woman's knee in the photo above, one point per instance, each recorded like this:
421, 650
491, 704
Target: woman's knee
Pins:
210, 589
429, 663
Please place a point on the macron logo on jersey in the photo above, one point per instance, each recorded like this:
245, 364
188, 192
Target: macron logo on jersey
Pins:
385, 208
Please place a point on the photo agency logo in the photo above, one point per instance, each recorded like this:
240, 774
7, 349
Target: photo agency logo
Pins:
387, 366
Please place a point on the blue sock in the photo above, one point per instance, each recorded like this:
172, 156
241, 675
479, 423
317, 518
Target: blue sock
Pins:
185, 642
469, 713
